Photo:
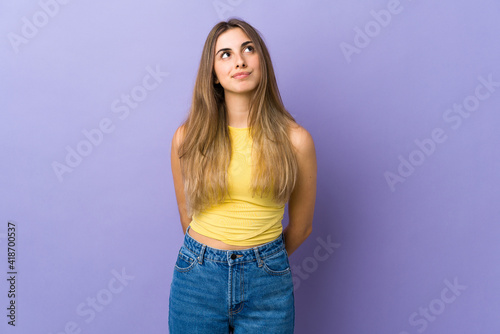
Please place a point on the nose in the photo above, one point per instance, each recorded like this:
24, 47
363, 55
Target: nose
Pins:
240, 61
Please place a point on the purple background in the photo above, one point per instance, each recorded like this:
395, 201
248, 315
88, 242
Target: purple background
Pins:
395, 250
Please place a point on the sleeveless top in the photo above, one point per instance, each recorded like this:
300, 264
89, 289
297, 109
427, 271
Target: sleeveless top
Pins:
242, 220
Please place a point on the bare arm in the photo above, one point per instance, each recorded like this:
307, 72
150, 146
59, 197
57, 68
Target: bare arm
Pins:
177, 175
303, 198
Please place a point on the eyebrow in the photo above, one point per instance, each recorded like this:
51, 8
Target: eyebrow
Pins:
228, 49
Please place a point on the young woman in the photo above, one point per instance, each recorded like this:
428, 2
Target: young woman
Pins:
237, 159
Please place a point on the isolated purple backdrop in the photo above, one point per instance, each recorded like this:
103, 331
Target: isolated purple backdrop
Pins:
401, 97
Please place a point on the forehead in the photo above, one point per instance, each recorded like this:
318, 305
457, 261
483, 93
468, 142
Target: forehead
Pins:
231, 38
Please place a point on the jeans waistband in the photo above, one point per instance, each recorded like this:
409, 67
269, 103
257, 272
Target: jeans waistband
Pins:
256, 253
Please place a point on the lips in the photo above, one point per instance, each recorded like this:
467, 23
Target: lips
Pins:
241, 75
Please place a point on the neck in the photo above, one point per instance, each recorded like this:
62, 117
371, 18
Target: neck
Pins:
237, 106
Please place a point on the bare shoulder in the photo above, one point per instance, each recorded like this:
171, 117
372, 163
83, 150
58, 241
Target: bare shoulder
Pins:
301, 139
178, 137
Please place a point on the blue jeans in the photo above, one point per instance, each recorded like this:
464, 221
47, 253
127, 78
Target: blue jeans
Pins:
217, 291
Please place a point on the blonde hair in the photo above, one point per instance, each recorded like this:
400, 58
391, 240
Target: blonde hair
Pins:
205, 152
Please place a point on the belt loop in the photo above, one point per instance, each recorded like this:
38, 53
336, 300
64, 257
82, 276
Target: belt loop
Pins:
202, 252
259, 260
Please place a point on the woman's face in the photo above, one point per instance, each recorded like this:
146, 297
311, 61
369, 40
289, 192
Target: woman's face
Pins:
235, 53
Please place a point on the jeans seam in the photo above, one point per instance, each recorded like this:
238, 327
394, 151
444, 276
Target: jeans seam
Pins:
278, 273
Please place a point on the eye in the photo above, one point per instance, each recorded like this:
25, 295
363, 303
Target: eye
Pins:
226, 54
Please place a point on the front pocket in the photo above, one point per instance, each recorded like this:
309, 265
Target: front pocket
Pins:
185, 261
277, 264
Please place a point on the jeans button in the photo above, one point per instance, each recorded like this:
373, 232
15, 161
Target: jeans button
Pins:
233, 256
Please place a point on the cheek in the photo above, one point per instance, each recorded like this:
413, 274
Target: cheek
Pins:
216, 70
220, 70
257, 71
256, 65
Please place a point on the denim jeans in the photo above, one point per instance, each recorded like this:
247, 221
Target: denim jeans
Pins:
217, 291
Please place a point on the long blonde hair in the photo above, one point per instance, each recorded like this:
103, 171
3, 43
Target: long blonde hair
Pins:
205, 152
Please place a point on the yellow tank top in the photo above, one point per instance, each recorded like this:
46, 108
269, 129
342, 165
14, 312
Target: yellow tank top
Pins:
242, 220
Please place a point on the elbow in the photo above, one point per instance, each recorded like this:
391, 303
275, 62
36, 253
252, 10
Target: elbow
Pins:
304, 232
301, 231
308, 231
